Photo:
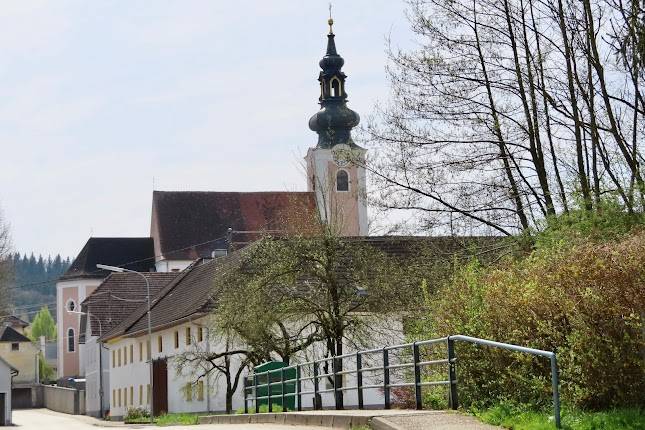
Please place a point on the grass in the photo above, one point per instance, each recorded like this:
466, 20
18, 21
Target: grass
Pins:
518, 418
263, 409
166, 420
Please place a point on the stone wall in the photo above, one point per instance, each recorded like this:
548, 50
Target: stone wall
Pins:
65, 400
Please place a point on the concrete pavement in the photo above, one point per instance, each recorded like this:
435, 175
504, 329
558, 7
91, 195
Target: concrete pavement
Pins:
44, 419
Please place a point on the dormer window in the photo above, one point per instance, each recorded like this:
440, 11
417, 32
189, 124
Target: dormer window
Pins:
335, 87
342, 181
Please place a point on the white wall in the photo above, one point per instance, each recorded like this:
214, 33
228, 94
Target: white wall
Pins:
172, 265
5, 387
383, 331
136, 374
93, 377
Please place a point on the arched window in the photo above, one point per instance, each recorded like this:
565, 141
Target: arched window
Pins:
70, 340
335, 87
342, 181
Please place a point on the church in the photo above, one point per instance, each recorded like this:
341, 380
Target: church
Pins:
186, 226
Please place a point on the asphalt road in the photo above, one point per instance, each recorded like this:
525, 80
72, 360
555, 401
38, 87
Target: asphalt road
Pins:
44, 419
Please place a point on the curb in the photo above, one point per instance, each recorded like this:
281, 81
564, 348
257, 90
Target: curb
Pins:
333, 421
381, 423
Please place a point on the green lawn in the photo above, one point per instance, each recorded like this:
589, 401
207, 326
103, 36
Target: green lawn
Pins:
517, 418
167, 420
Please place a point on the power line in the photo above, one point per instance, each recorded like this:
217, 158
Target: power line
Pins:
48, 281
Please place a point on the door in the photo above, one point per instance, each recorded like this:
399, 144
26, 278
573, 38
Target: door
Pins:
160, 387
3, 409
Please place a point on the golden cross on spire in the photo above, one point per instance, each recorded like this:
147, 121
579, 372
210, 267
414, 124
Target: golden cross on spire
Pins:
331, 20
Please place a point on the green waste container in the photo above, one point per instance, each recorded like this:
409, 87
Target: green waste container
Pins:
277, 385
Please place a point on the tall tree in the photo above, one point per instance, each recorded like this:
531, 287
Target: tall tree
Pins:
508, 111
6, 273
43, 325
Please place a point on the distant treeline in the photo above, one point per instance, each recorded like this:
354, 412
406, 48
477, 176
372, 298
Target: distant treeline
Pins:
35, 282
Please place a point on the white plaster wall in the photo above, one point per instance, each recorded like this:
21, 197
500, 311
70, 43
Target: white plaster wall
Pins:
172, 265
93, 377
5, 387
138, 374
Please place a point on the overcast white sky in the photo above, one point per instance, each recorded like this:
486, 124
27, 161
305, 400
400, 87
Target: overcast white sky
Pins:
97, 98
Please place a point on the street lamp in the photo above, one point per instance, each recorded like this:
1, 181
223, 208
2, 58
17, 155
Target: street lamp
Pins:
122, 270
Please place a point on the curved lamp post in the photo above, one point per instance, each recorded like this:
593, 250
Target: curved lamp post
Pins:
123, 270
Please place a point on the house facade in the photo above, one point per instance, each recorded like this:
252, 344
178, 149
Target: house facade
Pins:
115, 299
7, 372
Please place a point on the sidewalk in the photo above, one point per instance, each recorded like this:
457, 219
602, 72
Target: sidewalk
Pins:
392, 419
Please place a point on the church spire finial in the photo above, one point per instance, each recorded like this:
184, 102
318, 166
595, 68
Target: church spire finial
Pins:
330, 21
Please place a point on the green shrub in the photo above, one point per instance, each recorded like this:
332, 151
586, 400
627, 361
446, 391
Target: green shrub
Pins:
586, 302
263, 409
136, 415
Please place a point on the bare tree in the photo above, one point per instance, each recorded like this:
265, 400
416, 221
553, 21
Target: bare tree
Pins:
6, 273
507, 112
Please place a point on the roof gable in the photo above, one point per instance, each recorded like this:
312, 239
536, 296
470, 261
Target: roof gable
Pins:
8, 334
135, 253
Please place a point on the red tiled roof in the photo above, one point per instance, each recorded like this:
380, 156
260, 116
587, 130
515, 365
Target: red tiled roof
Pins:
187, 225
118, 296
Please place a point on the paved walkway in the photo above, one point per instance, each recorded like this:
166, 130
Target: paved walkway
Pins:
44, 419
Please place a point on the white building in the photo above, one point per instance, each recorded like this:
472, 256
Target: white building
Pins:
115, 299
7, 372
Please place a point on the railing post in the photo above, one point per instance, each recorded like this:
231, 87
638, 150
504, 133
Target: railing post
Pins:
417, 376
386, 378
255, 392
298, 388
284, 407
316, 389
452, 375
246, 395
269, 390
555, 382
334, 369
359, 379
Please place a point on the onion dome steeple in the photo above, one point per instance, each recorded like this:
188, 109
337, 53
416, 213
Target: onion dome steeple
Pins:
334, 121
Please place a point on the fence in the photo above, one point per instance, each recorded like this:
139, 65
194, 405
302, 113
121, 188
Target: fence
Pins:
385, 369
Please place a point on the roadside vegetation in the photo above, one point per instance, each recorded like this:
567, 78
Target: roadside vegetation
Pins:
578, 288
141, 416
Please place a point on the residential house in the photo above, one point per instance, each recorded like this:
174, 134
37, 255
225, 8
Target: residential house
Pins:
7, 372
81, 279
15, 323
116, 298
18, 350
179, 320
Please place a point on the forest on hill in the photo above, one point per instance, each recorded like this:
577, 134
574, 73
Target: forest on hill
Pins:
34, 282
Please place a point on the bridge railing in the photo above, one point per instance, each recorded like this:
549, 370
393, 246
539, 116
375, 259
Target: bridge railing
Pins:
378, 366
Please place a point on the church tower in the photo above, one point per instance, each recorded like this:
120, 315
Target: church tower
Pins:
335, 169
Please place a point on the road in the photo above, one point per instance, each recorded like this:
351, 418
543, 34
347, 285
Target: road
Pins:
39, 419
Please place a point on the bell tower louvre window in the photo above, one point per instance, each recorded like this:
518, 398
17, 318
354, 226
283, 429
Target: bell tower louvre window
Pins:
342, 181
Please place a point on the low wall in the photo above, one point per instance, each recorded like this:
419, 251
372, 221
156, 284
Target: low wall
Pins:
65, 400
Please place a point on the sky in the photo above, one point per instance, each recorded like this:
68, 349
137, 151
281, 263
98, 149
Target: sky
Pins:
103, 101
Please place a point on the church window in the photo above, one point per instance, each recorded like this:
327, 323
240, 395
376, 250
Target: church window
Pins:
342, 181
335, 87
71, 306
70, 340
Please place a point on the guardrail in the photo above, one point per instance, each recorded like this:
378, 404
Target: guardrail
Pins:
383, 371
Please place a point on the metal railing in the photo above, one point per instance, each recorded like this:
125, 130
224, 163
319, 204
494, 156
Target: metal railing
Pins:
385, 370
